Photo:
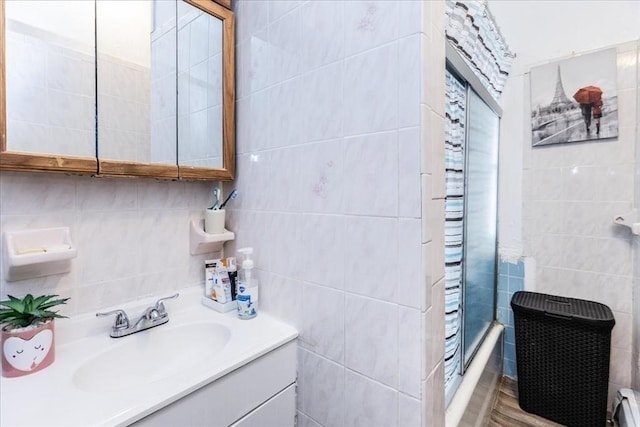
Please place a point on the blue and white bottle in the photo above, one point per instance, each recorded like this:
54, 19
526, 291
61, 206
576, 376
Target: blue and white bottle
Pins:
247, 297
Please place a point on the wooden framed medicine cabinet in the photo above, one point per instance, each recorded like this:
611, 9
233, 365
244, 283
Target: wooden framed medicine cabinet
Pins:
111, 93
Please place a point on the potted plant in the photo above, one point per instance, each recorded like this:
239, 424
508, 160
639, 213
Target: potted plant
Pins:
28, 333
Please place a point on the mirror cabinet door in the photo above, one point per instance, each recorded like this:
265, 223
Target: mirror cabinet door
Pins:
136, 71
206, 139
199, 88
164, 79
47, 98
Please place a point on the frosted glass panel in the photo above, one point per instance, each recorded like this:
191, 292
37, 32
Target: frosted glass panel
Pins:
480, 230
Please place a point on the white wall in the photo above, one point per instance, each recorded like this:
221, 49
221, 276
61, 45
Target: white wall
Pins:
338, 104
563, 34
614, 22
557, 203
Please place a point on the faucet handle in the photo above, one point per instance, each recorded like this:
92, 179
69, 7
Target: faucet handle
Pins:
122, 320
160, 303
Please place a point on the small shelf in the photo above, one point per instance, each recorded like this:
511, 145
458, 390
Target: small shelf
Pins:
202, 243
631, 220
35, 253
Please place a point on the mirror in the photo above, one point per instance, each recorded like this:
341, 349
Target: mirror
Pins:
136, 82
206, 90
47, 92
136, 71
164, 80
199, 88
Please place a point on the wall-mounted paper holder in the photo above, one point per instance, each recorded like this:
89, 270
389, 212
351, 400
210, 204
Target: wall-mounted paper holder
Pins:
35, 253
630, 220
201, 242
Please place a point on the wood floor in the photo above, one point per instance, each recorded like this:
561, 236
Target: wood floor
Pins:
507, 413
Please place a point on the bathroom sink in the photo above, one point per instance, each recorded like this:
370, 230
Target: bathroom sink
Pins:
151, 355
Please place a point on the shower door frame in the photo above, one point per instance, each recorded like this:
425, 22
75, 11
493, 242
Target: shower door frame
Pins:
457, 66
463, 359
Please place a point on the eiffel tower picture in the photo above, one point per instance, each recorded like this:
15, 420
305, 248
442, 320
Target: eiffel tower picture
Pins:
560, 100
560, 113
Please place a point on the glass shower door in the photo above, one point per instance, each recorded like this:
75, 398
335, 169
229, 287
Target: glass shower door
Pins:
481, 196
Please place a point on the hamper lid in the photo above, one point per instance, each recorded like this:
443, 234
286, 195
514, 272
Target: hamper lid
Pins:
574, 309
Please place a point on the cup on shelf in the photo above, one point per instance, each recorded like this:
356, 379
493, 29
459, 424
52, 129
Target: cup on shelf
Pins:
214, 221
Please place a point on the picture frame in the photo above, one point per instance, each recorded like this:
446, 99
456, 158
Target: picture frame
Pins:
575, 100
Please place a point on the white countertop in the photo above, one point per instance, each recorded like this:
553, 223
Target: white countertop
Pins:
51, 397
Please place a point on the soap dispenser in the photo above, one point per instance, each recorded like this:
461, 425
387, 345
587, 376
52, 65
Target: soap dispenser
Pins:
247, 292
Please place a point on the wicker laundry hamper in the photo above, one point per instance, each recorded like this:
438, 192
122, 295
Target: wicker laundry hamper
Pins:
562, 354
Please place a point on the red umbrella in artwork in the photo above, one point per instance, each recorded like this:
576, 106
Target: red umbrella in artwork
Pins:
588, 95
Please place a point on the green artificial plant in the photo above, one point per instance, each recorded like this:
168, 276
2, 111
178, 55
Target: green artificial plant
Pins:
22, 312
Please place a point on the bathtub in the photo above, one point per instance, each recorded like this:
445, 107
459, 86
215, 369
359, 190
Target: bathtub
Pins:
626, 408
472, 402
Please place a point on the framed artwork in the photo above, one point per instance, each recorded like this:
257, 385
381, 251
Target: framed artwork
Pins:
575, 99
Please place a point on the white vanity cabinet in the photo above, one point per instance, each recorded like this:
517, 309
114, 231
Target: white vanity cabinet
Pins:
278, 411
259, 394
201, 369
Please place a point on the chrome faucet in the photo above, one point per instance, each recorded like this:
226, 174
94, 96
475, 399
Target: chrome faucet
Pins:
152, 316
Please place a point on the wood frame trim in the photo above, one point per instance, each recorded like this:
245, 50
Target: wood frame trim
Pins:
19, 161
225, 3
136, 169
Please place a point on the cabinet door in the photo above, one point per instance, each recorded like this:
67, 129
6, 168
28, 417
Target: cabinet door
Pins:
48, 86
235, 395
279, 411
136, 72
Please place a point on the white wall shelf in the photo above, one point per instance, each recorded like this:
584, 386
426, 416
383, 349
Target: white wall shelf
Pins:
631, 220
201, 242
28, 254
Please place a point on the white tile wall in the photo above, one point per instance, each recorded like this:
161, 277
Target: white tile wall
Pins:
320, 21
408, 411
371, 338
334, 189
571, 195
372, 184
369, 403
371, 80
132, 235
321, 389
409, 194
410, 351
323, 326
